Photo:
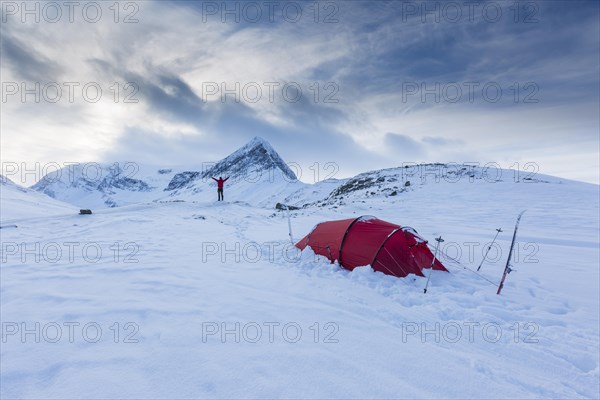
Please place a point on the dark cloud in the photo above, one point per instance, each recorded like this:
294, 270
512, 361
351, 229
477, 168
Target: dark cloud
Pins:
224, 125
26, 62
313, 112
162, 92
368, 54
170, 96
404, 146
556, 49
441, 141
229, 126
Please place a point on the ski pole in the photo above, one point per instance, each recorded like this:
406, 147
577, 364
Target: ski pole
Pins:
438, 240
489, 248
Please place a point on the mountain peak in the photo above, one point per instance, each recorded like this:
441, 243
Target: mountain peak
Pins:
256, 141
255, 156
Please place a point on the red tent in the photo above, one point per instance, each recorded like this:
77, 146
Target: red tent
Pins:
387, 247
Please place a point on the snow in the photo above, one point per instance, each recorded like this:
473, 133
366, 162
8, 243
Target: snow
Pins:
174, 275
17, 202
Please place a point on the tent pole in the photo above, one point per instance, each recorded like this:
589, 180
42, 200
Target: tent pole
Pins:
330, 255
287, 209
438, 240
289, 224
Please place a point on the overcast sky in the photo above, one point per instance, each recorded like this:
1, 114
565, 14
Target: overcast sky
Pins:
341, 83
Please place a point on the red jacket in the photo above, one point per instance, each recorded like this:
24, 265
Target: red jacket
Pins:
220, 182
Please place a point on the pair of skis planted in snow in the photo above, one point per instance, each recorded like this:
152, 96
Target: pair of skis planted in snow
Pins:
507, 268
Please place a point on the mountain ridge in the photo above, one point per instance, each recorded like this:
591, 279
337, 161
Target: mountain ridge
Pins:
258, 175
116, 184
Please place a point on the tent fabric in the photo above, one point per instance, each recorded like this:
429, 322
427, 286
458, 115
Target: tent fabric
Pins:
326, 239
366, 240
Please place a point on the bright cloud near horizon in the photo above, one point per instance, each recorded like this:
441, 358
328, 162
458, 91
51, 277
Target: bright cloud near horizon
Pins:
366, 85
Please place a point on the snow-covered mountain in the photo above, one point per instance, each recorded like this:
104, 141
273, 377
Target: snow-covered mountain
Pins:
257, 175
256, 172
17, 202
256, 159
94, 185
392, 183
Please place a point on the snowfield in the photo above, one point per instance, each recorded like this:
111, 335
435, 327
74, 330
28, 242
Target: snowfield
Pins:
17, 202
202, 299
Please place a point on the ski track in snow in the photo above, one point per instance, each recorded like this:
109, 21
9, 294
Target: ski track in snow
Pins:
172, 291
